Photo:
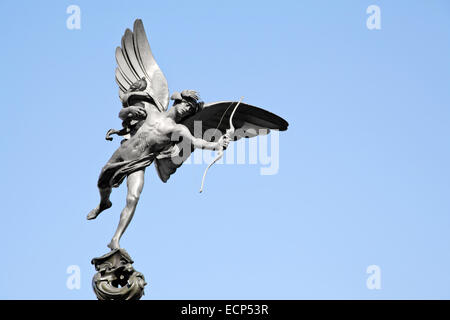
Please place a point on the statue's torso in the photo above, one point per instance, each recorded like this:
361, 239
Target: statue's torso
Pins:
153, 135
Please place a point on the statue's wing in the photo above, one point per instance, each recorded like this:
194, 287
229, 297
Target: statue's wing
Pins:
249, 121
135, 61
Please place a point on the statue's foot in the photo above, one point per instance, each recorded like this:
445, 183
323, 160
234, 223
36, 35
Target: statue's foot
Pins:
114, 244
101, 207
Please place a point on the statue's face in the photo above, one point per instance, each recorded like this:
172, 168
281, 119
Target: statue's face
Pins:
185, 109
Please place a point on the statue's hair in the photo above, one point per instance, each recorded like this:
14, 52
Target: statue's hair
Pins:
192, 96
186, 94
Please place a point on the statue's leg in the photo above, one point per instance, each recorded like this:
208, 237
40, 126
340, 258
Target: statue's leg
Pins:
104, 204
135, 183
105, 190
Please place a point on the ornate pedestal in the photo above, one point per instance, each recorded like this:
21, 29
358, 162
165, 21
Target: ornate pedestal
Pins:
116, 278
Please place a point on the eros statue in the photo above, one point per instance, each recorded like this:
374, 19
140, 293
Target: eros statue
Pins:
152, 133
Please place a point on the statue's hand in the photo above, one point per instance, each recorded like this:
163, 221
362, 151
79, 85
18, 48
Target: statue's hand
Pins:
223, 142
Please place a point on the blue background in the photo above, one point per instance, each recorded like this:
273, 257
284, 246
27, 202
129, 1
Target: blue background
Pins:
364, 172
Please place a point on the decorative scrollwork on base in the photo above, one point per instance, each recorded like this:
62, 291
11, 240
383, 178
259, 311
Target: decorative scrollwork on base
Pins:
116, 278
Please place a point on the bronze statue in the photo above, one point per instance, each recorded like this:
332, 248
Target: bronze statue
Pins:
152, 133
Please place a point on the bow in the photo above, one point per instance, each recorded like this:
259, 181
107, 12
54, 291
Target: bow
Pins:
228, 133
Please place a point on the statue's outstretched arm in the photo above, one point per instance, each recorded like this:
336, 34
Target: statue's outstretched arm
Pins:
182, 131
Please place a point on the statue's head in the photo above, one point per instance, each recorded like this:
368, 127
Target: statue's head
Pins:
186, 103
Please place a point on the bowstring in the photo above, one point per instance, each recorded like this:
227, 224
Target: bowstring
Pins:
221, 118
217, 157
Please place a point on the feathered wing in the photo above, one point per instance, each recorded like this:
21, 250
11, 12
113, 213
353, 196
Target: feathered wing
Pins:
249, 121
135, 61
247, 118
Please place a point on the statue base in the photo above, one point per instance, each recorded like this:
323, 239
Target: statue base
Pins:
116, 278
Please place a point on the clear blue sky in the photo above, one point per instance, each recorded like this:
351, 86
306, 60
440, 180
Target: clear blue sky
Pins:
364, 168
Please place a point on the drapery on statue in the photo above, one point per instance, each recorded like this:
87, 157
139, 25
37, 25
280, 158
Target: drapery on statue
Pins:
152, 133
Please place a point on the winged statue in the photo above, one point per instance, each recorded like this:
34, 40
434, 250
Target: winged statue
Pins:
153, 133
